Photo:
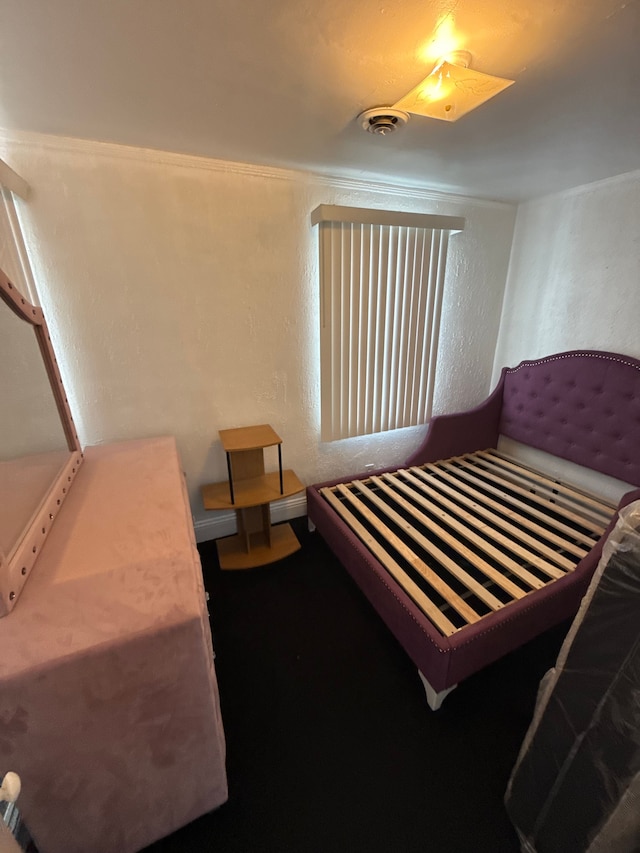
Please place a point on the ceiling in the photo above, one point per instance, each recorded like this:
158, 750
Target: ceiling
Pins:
281, 82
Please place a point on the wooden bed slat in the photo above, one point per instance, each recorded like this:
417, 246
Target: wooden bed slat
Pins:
487, 465
555, 490
452, 567
510, 512
457, 571
396, 571
591, 497
477, 561
457, 506
434, 580
576, 535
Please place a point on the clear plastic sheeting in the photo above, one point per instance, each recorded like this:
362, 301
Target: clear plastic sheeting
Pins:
575, 787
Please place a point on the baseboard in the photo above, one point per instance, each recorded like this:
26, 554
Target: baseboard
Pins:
224, 523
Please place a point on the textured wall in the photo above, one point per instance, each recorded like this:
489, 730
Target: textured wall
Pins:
574, 276
182, 295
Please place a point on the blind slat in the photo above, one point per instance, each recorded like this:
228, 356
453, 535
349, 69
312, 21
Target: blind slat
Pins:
379, 354
431, 276
336, 336
345, 318
363, 326
410, 322
421, 272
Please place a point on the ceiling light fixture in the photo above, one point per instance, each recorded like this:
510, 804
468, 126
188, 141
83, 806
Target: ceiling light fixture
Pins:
450, 91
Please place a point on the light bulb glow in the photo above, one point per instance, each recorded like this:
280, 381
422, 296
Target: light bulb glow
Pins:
444, 40
431, 89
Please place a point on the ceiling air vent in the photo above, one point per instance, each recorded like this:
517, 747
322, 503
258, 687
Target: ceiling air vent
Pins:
383, 120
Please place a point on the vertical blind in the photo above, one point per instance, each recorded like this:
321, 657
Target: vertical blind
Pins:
381, 283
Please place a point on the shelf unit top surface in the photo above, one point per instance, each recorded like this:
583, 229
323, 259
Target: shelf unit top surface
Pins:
251, 492
248, 438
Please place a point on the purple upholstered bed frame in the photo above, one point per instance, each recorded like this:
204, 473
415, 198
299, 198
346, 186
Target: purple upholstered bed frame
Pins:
583, 406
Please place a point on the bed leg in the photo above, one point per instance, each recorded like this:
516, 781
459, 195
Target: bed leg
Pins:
435, 699
311, 526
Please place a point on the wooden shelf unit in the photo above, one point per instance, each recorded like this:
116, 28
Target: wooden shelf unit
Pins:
249, 491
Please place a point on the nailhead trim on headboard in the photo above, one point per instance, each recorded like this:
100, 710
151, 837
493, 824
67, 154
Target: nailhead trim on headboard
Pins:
589, 354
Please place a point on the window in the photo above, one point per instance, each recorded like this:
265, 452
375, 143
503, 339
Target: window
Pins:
381, 281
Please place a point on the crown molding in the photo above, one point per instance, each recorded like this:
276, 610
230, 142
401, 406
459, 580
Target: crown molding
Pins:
585, 189
362, 183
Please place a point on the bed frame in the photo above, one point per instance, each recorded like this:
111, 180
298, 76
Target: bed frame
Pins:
466, 552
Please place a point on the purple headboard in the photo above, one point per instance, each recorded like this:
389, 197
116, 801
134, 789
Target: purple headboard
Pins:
583, 406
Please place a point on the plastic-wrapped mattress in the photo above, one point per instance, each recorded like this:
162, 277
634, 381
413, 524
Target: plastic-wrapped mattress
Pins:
576, 784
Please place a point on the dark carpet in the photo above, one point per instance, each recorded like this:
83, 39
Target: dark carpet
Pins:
331, 746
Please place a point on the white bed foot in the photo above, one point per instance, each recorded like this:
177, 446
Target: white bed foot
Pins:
10, 788
435, 699
311, 525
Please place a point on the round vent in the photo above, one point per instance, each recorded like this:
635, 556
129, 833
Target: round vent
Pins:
383, 120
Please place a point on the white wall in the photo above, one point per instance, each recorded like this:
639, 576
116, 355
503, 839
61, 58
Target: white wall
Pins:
574, 275
183, 298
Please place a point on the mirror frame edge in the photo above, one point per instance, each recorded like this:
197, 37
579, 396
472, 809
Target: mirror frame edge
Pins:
16, 567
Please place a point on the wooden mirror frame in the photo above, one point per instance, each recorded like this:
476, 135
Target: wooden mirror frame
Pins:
16, 567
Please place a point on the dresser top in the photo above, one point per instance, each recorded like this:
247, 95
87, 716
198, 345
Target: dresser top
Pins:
120, 561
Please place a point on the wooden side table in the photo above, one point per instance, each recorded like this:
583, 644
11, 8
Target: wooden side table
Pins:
249, 491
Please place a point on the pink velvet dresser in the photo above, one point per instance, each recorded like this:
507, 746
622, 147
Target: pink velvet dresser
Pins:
109, 706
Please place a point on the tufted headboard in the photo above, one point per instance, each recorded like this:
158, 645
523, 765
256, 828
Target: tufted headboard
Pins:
583, 406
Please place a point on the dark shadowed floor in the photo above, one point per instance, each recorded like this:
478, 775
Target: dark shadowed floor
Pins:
331, 746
